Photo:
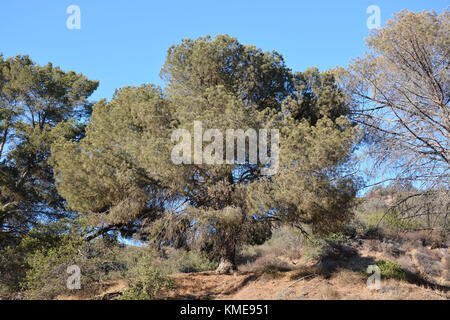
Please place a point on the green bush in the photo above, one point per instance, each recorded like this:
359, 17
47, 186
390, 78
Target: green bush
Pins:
12, 271
391, 270
145, 280
319, 248
48, 273
179, 260
390, 220
14, 258
394, 221
47, 262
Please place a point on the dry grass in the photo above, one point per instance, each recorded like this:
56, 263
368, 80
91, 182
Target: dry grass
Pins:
270, 273
106, 288
266, 264
305, 271
348, 277
327, 292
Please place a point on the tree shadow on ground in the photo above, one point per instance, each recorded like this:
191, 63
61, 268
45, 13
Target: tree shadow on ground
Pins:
341, 257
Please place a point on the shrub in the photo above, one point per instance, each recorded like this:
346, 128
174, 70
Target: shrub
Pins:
48, 252
333, 246
391, 270
146, 284
14, 258
179, 260
48, 273
393, 220
429, 265
12, 271
428, 238
145, 280
285, 241
266, 264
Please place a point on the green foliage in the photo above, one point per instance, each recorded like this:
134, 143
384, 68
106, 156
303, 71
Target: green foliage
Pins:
392, 220
179, 260
391, 270
379, 209
320, 248
47, 274
38, 105
14, 262
285, 241
110, 174
145, 280
50, 249
260, 78
12, 270
109, 170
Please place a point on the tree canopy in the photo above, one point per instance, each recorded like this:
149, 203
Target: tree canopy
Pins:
120, 175
400, 96
37, 105
234, 145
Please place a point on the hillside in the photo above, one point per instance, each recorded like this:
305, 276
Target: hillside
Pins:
424, 274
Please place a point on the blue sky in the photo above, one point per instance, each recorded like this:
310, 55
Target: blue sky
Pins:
125, 42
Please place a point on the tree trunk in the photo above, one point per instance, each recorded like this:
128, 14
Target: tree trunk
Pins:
227, 262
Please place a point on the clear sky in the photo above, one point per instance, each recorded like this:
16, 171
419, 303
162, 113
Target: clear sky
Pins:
125, 42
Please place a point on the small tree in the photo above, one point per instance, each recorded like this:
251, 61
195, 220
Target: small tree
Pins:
400, 97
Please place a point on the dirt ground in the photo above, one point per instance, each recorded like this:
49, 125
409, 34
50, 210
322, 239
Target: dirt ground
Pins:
108, 288
342, 285
302, 282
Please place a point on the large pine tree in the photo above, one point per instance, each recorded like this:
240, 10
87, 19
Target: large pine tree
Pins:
121, 175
